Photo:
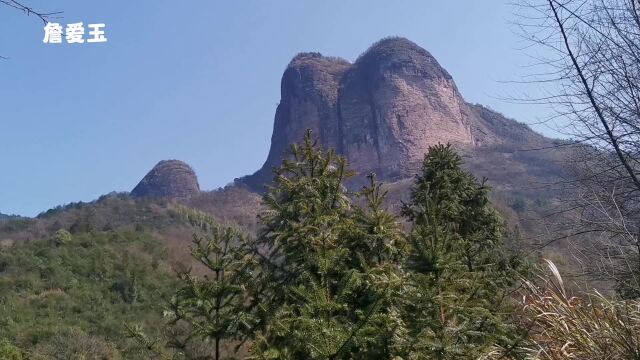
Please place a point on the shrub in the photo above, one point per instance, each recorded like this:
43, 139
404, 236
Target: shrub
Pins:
75, 344
9, 352
62, 237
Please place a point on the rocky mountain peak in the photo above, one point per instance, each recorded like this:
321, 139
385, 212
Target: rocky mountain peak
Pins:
382, 112
402, 55
172, 179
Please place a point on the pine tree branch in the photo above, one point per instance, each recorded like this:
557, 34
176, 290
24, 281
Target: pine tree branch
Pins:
362, 323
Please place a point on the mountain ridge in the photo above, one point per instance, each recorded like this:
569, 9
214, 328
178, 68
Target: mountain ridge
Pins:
382, 112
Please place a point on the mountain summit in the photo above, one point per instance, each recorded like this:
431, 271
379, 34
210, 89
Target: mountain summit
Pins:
172, 179
382, 112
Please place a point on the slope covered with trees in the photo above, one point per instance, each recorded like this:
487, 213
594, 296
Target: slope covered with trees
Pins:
69, 296
329, 278
328, 275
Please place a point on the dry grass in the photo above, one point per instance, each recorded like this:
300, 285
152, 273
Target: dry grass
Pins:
584, 326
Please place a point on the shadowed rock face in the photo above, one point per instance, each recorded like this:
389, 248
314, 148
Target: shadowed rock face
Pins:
309, 101
171, 179
382, 112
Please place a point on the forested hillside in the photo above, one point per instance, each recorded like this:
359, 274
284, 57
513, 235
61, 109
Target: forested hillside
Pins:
391, 218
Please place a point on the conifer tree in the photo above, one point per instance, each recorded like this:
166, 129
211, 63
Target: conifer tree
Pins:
329, 267
210, 309
376, 237
460, 278
378, 248
215, 306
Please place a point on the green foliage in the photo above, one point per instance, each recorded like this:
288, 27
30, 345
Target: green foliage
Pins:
331, 275
62, 237
374, 237
215, 307
8, 351
329, 267
459, 277
91, 285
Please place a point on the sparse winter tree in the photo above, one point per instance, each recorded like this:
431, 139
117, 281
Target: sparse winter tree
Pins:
30, 11
594, 77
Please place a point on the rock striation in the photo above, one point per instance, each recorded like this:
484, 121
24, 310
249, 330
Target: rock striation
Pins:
382, 112
171, 179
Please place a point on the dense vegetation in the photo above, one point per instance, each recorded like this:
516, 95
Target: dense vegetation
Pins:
329, 275
326, 278
72, 294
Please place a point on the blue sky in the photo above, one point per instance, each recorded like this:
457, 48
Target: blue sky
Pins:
199, 81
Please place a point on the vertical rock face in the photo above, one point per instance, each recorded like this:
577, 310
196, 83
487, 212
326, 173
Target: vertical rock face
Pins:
395, 102
382, 112
171, 179
309, 101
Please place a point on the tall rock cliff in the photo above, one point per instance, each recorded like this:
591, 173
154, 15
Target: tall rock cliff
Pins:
309, 101
382, 112
171, 179
395, 102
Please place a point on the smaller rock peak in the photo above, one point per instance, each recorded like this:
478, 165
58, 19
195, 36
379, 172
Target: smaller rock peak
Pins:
173, 179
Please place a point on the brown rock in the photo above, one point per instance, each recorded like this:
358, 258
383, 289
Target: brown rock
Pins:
172, 179
309, 96
395, 102
382, 112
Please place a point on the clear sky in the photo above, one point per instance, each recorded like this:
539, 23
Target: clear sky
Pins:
199, 81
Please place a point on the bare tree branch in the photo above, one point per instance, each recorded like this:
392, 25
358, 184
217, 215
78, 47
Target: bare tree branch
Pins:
44, 16
589, 93
593, 73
